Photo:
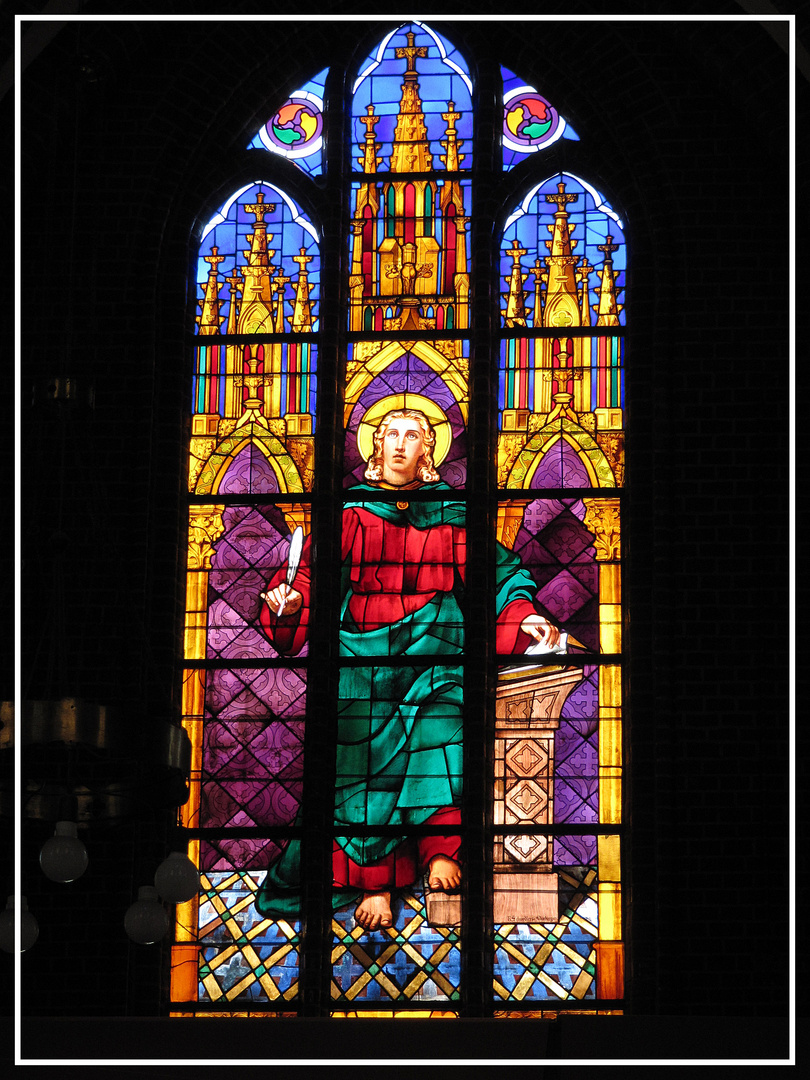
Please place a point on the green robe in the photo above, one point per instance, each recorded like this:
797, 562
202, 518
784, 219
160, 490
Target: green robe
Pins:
399, 732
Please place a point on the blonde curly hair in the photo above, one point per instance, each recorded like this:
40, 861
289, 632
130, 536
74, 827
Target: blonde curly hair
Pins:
426, 470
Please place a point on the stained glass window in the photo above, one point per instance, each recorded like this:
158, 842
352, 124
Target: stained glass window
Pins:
393, 921
407, 84
250, 467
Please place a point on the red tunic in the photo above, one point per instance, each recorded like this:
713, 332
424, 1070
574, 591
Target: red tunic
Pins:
393, 571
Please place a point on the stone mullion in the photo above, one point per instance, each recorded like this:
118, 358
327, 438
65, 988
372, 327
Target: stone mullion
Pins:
205, 527
477, 957
603, 518
317, 806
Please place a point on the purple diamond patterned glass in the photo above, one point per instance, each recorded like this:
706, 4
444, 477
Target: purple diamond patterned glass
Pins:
560, 467
557, 549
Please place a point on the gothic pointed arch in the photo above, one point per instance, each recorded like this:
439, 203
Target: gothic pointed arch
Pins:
559, 435
270, 448
450, 367
403, 659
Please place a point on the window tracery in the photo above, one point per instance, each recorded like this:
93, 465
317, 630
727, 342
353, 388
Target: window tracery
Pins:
556, 790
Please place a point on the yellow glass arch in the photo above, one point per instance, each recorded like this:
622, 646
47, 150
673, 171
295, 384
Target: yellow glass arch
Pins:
217, 464
588, 450
449, 370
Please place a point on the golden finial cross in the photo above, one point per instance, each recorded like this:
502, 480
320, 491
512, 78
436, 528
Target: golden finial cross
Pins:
260, 208
302, 260
451, 116
411, 51
516, 251
561, 198
214, 258
369, 121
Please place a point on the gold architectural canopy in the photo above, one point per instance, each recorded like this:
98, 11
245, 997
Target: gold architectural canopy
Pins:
409, 255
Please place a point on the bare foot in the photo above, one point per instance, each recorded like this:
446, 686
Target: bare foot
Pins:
374, 911
444, 873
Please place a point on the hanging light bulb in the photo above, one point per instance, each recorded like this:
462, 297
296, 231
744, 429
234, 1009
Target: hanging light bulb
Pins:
145, 921
177, 879
29, 927
64, 856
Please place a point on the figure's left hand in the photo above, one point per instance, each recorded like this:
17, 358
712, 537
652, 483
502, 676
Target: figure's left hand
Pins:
540, 629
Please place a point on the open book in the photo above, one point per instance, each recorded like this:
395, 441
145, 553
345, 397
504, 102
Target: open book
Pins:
539, 648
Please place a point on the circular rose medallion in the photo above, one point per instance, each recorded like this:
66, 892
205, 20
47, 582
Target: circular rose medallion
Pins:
529, 121
296, 128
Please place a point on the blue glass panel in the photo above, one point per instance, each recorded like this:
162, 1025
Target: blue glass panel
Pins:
586, 235
410, 961
284, 246
243, 957
442, 76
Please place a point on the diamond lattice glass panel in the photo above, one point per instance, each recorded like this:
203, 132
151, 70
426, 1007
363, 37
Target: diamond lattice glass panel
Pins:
295, 130
570, 552
252, 766
411, 98
242, 956
554, 959
247, 760
576, 754
410, 961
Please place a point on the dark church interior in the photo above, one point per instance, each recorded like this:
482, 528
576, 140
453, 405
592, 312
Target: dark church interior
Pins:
132, 129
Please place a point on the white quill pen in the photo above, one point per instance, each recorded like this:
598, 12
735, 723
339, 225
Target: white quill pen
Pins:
293, 559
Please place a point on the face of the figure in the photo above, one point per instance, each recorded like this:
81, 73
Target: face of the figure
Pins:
402, 448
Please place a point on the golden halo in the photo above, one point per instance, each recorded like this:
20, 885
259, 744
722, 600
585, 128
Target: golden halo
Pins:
436, 415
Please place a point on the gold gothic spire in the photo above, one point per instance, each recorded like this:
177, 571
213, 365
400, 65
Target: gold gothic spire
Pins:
279, 283
256, 313
607, 310
451, 157
369, 161
562, 299
235, 282
584, 275
515, 311
302, 310
540, 278
411, 151
209, 318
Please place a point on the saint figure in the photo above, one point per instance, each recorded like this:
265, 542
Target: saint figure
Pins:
399, 727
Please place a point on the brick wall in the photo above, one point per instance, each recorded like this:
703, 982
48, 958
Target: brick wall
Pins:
684, 128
